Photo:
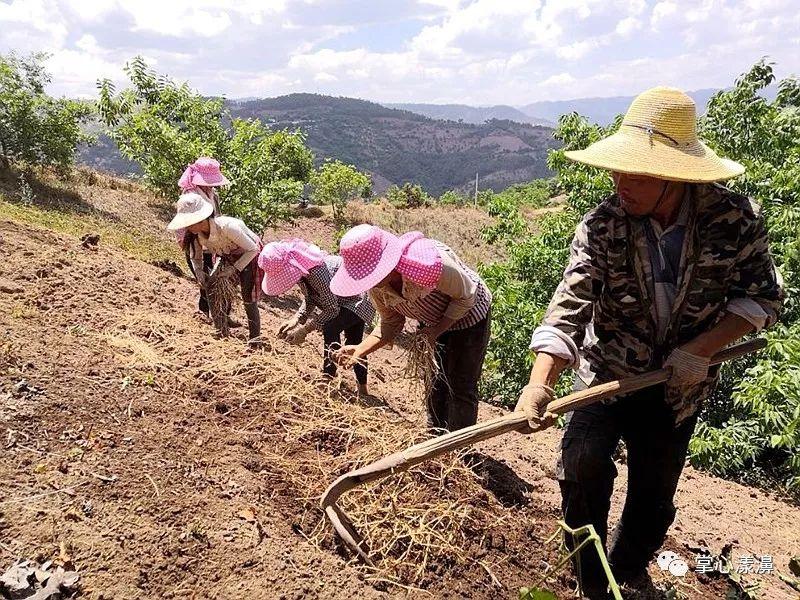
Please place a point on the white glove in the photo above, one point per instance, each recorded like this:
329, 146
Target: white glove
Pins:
688, 369
533, 402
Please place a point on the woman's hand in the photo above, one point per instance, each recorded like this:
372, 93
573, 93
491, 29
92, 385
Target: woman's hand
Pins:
297, 335
287, 327
533, 402
347, 356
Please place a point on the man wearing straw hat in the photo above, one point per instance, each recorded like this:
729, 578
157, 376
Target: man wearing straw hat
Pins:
666, 272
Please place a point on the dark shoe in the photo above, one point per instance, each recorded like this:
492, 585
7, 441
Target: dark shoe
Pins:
233, 323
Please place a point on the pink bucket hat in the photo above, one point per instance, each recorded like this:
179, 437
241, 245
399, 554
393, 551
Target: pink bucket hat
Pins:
284, 263
420, 261
204, 171
368, 255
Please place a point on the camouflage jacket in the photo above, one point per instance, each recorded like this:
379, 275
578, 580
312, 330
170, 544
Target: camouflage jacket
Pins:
608, 284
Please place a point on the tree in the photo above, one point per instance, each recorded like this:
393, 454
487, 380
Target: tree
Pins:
34, 127
336, 183
409, 195
164, 126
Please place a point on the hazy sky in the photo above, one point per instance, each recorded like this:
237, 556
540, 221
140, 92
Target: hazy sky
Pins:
466, 51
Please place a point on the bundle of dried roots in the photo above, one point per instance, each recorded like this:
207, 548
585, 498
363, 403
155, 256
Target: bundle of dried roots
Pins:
421, 368
221, 290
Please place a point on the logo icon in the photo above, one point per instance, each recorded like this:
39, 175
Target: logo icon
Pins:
669, 561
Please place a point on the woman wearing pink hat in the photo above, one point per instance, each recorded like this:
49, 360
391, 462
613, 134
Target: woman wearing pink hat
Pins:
228, 238
203, 176
296, 262
417, 278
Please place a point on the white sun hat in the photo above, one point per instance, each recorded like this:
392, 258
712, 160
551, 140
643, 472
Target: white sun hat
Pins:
191, 208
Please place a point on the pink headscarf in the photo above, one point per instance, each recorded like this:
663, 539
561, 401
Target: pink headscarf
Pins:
284, 263
420, 261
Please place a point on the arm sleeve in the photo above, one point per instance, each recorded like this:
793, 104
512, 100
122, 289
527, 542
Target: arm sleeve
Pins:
553, 341
390, 322
755, 276
196, 258
572, 305
323, 298
456, 284
238, 233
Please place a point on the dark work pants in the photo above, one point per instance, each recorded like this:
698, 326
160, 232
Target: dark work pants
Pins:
353, 327
208, 264
656, 451
453, 402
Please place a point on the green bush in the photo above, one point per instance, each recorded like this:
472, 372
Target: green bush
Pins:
164, 126
34, 127
452, 198
335, 183
409, 195
751, 426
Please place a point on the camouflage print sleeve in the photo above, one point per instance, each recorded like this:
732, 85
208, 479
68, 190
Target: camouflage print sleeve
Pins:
754, 274
571, 307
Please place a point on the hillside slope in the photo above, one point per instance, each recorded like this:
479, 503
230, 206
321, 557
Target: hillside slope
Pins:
471, 114
401, 146
166, 463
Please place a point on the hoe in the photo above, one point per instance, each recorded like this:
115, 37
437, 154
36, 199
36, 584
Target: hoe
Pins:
515, 421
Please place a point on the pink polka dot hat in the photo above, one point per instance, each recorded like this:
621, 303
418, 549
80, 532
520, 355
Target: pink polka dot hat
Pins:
420, 261
204, 171
368, 255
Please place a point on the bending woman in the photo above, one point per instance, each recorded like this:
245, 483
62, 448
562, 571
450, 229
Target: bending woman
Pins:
291, 262
230, 239
422, 279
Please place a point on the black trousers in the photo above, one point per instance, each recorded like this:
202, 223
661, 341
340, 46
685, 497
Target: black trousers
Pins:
208, 264
453, 402
656, 452
352, 326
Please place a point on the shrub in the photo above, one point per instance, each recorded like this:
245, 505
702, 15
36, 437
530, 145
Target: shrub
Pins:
409, 195
164, 126
336, 183
452, 198
34, 127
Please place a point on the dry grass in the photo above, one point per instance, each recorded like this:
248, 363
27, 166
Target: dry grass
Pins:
421, 369
311, 432
458, 227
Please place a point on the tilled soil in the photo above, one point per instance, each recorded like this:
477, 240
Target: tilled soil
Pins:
157, 492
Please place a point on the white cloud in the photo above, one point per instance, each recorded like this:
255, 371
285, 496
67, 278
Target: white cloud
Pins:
627, 26
474, 51
662, 12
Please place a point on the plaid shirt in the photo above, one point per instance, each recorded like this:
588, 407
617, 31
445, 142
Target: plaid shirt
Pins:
316, 289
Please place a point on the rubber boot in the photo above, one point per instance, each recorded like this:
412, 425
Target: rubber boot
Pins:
253, 319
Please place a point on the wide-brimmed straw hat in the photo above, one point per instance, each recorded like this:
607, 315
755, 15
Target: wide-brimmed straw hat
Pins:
658, 138
204, 171
284, 263
368, 254
191, 208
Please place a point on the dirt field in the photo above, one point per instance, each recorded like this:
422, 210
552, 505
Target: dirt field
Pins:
165, 463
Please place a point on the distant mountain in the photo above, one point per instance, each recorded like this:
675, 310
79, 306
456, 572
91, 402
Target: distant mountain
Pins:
599, 110
398, 145
471, 114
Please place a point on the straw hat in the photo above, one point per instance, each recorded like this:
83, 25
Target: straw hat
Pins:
658, 137
191, 208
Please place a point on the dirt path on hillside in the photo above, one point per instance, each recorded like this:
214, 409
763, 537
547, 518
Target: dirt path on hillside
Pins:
155, 492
